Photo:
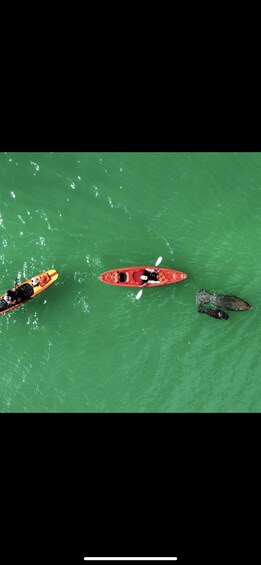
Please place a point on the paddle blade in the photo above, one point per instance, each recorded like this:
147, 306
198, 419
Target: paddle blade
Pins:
158, 261
139, 294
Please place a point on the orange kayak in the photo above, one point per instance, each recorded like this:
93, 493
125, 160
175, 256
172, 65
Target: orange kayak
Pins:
26, 291
131, 276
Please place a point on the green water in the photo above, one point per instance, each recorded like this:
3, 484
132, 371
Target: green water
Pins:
83, 346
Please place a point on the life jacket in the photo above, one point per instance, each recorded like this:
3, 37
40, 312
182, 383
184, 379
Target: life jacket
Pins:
153, 276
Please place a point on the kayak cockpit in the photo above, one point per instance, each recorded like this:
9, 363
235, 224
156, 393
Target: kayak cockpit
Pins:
123, 277
137, 276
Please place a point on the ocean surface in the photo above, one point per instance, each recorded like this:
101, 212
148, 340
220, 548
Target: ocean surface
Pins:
84, 346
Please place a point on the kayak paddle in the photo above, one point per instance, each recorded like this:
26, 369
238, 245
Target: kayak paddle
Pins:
138, 296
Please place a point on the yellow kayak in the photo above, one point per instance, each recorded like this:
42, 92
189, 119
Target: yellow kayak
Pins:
27, 290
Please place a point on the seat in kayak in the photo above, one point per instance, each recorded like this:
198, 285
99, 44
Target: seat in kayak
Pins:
44, 279
123, 277
137, 275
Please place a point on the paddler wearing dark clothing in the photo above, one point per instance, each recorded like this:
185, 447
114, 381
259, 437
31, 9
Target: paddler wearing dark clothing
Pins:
11, 297
149, 276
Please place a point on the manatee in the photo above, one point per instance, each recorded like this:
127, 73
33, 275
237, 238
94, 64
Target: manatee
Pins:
227, 302
213, 312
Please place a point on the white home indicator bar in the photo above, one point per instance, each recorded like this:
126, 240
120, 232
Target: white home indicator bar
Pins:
130, 558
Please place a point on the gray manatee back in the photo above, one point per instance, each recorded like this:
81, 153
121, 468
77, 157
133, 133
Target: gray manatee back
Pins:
228, 302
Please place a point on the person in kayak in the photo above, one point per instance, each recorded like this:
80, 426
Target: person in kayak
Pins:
35, 281
149, 276
12, 297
